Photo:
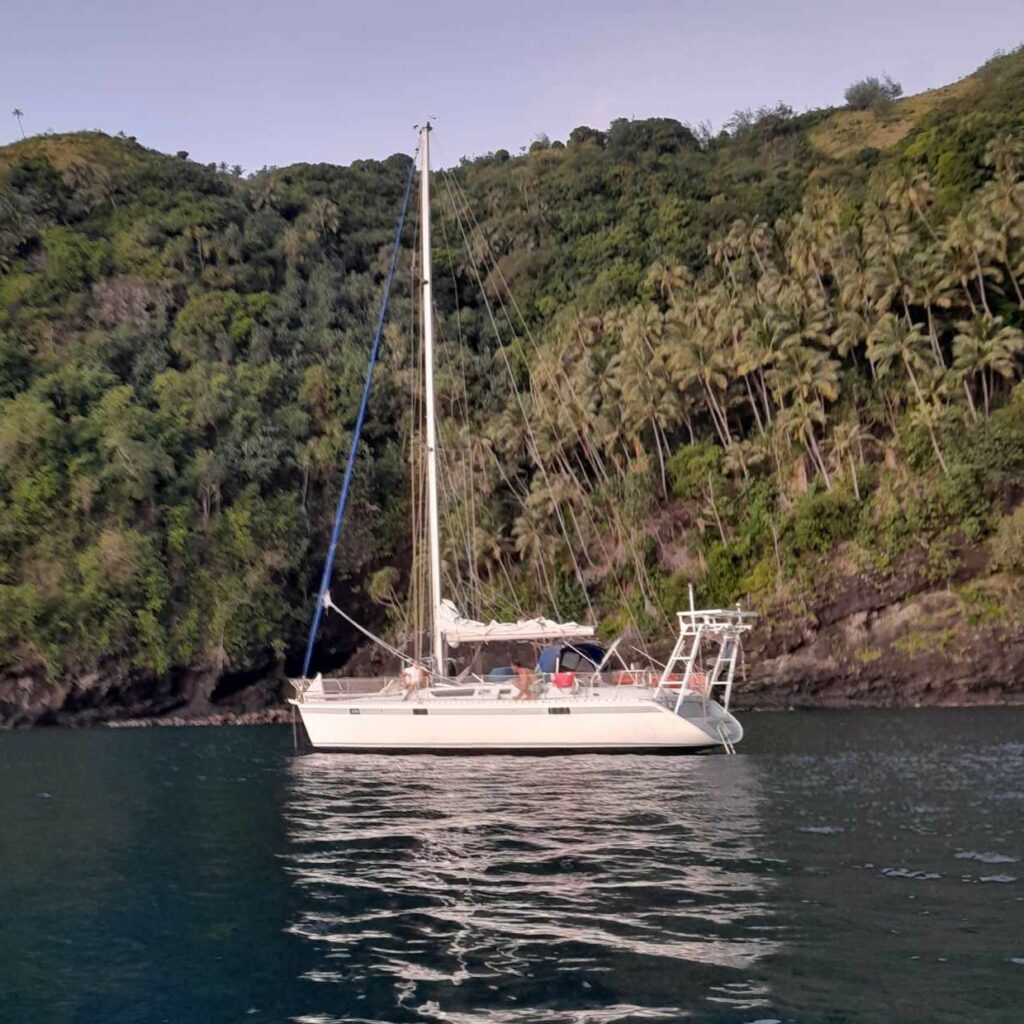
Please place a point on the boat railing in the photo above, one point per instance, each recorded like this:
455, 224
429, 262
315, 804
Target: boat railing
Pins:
344, 687
538, 686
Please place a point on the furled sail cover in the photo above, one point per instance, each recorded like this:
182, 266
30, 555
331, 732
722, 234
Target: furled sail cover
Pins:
458, 630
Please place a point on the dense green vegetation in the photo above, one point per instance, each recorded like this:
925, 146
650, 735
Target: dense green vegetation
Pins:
735, 353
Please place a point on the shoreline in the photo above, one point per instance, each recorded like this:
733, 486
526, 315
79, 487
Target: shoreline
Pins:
265, 716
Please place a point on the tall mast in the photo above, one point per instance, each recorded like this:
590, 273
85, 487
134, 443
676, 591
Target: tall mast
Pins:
428, 359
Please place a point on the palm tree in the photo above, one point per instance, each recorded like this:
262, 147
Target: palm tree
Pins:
892, 340
931, 290
696, 357
913, 195
534, 542
670, 280
969, 246
199, 236
809, 377
848, 439
727, 249
1001, 206
642, 384
851, 330
888, 242
969, 362
266, 193
799, 318
762, 332
325, 215
799, 421
760, 242
1006, 154
983, 347
804, 250
18, 115
929, 414
732, 328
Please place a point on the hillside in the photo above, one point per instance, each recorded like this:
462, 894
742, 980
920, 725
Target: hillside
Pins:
783, 361
846, 132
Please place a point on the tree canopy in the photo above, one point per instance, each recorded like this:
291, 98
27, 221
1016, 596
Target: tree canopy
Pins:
736, 352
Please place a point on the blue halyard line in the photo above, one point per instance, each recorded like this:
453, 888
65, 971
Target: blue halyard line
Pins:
357, 431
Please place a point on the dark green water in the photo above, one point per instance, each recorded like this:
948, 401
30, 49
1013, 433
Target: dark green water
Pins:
846, 867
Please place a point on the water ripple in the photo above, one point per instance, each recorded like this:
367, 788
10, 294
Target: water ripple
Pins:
558, 890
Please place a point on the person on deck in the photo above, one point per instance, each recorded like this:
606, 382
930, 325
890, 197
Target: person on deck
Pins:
414, 676
523, 681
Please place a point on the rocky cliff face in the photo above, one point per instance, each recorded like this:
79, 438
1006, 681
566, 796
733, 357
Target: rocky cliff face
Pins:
895, 639
29, 700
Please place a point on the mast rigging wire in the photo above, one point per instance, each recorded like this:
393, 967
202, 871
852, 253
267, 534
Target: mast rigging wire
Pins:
487, 252
488, 255
357, 430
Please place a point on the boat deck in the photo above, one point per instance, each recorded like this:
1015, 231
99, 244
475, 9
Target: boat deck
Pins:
389, 693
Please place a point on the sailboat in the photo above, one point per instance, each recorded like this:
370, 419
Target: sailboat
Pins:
580, 696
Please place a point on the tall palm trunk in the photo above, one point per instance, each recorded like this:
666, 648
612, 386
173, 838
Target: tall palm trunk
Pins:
714, 509
688, 422
934, 337
765, 400
965, 284
661, 458
981, 283
1016, 287
938, 450
815, 452
720, 421
970, 401
1008, 263
753, 403
853, 476
891, 412
926, 222
913, 380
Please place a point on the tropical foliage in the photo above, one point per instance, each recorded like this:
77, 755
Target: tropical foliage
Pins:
665, 355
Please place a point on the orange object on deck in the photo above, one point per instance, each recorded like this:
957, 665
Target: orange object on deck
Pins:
564, 680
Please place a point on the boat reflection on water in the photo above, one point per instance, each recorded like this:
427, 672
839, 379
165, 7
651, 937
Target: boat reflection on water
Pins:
545, 889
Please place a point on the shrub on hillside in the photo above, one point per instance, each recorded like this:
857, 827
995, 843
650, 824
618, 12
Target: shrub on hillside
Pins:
872, 93
1008, 542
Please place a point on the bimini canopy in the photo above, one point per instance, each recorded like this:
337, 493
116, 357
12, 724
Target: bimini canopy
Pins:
458, 630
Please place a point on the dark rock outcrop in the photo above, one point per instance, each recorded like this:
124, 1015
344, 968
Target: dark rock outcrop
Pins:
31, 699
893, 640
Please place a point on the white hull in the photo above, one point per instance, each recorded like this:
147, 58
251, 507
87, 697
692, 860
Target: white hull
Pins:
611, 723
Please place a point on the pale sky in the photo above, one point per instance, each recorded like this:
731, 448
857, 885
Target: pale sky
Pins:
258, 82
